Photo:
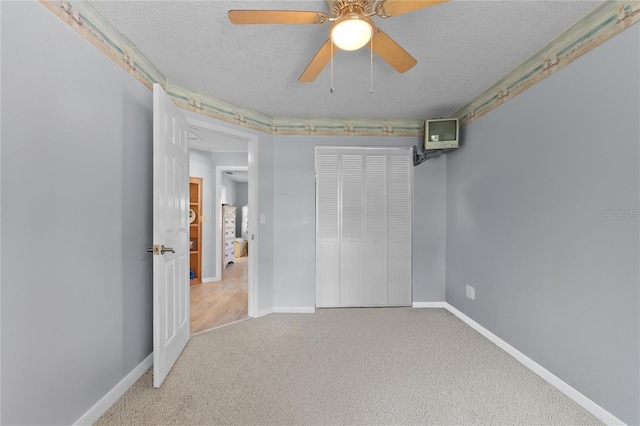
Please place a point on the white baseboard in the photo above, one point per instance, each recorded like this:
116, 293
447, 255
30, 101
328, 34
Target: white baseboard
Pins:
599, 412
100, 407
209, 280
429, 305
295, 310
263, 313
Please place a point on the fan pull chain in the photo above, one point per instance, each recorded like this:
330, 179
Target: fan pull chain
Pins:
371, 65
331, 90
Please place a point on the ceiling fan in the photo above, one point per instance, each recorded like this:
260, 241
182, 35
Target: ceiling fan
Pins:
351, 28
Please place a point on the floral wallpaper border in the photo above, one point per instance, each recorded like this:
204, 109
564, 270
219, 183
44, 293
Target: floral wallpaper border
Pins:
605, 21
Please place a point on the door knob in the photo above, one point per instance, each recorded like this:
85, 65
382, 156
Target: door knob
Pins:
164, 249
160, 249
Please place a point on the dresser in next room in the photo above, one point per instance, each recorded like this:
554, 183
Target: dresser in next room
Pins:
228, 234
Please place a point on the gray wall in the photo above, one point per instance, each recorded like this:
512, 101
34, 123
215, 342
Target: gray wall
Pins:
76, 220
230, 190
536, 223
294, 198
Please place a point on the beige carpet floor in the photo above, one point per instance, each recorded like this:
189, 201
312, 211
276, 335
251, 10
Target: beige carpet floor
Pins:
346, 366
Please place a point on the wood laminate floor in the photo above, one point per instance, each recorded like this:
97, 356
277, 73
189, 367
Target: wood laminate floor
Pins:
221, 302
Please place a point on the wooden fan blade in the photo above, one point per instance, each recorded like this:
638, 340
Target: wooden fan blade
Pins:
276, 17
398, 7
317, 64
392, 52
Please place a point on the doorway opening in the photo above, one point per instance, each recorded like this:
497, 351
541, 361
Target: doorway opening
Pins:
227, 160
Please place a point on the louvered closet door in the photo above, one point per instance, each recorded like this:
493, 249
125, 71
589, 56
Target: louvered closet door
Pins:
327, 220
363, 226
376, 218
400, 207
351, 238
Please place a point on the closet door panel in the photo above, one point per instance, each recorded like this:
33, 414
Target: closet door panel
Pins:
399, 287
351, 230
376, 224
352, 201
327, 225
327, 275
400, 177
327, 187
351, 275
376, 207
400, 207
375, 274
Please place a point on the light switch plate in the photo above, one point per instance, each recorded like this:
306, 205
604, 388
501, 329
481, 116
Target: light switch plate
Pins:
471, 292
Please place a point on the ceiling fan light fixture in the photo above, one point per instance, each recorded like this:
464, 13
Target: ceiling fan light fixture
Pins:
351, 31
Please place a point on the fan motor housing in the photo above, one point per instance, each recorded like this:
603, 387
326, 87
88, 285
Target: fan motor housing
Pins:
338, 7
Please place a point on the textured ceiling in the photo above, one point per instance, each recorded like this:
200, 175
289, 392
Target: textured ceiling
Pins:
462, 47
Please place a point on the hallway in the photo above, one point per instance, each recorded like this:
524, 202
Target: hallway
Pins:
221, 302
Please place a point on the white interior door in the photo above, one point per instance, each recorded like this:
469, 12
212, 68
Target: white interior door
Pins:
170, 234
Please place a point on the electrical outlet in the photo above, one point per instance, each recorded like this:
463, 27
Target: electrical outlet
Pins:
471, 292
